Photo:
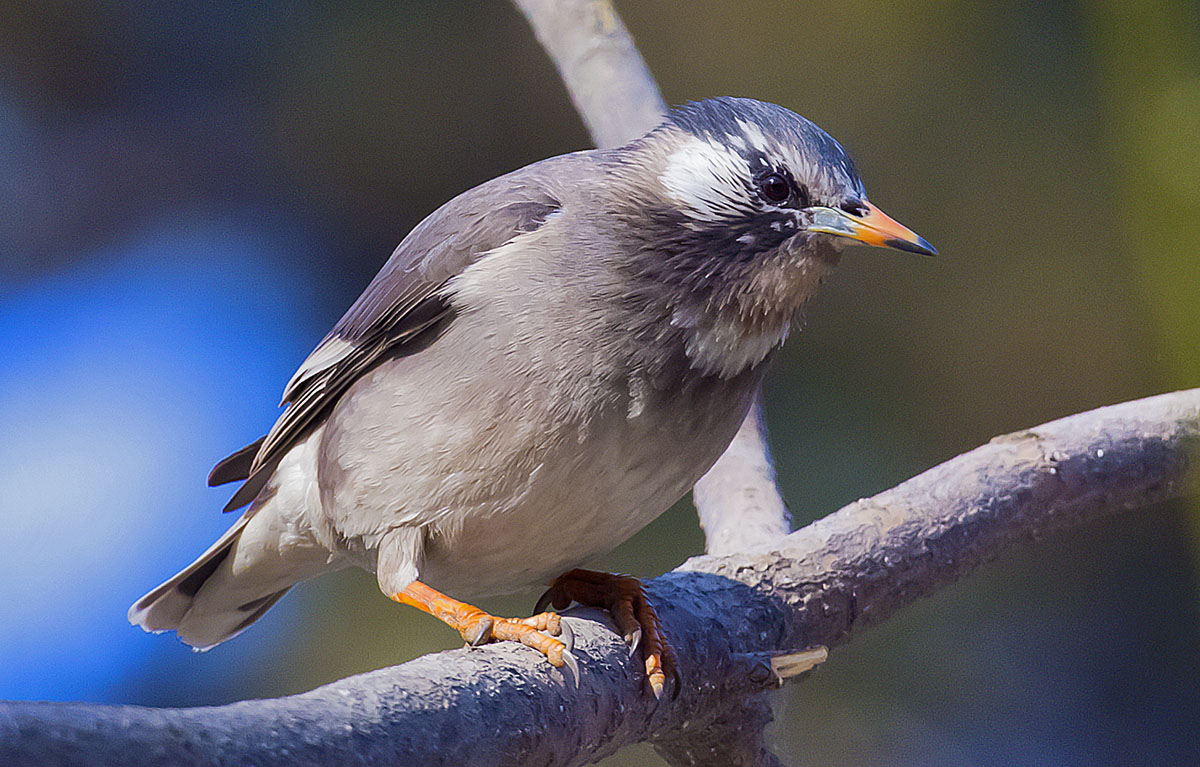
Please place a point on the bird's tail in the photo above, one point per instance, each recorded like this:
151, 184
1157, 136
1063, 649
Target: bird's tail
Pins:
229, 586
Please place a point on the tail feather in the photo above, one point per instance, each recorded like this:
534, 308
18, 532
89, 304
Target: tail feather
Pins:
268, 550
231, 584
254, 609
163, 608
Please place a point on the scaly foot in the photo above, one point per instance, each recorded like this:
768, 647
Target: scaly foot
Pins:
478, 627
624, 598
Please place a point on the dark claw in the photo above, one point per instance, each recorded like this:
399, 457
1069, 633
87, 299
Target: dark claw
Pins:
676, 681
633, 640
567, 636
570, 668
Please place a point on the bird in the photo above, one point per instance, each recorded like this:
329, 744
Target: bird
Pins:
544, 365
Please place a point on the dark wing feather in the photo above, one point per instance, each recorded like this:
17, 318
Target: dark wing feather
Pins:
400, 304
235, 467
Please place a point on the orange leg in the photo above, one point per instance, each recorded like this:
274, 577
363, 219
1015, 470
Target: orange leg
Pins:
625, 598
477, 627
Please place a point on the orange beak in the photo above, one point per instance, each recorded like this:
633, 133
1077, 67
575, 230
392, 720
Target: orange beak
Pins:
874, 227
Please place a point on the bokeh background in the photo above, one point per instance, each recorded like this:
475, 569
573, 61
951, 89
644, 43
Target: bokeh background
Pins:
192, 193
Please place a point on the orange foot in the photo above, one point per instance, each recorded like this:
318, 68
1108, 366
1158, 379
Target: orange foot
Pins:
478, 627
625, 598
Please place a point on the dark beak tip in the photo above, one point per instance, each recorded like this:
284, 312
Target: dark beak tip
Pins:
920, 247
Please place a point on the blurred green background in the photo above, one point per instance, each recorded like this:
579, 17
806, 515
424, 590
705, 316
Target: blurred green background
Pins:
191, 194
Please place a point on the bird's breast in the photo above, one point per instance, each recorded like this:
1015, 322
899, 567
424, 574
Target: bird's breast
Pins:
521, 457
546, 424
592, 488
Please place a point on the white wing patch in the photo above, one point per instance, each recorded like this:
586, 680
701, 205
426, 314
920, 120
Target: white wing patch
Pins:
491, 276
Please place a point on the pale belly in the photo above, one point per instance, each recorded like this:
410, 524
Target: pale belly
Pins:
507, 494
573, 512
520, 443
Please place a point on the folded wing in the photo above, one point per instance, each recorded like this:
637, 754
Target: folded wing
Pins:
402, 304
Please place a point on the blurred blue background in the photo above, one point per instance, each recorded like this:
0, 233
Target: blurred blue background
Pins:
190, 195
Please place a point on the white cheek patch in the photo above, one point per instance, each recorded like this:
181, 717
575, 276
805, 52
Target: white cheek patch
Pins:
707, 180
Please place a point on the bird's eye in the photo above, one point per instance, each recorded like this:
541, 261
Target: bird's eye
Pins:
774, 188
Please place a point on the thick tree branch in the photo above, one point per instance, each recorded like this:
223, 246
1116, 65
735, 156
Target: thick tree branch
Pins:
728, 616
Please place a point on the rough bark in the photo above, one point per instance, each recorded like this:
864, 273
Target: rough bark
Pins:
728, 617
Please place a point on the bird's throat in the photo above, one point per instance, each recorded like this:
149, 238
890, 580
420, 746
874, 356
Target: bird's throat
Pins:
739, 324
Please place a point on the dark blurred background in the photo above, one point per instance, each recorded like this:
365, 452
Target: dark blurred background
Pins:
192, 193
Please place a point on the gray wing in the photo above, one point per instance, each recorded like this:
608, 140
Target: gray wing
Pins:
400, 305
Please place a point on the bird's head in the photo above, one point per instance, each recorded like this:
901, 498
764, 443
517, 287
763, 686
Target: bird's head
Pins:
751, 205
772, 179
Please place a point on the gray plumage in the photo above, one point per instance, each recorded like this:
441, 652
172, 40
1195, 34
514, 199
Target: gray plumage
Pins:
544, 365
